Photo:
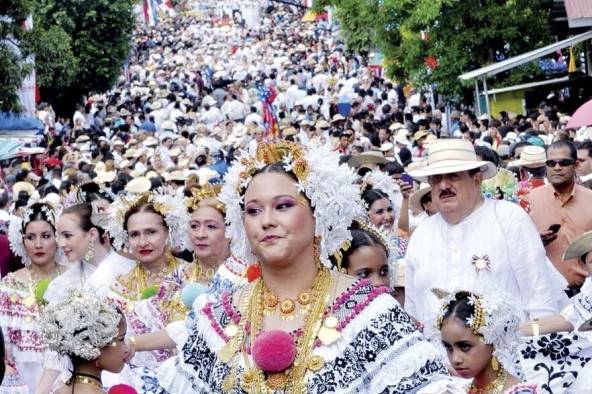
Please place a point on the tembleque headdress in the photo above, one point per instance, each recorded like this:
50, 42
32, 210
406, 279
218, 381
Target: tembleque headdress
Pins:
79, 325
171, 207
17, 226
329, 187
203, 193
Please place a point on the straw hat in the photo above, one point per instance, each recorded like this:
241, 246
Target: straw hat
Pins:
124, 164
387, 146
138, 185
174, 152
370, 157
23, 186
580, 246
150, 141
104, 177
415, 200
530, 157
82, 138
337, 118
176, 175
151, 174
396, 126
452, 155
322, 124
402, 139
420, 134
137, 172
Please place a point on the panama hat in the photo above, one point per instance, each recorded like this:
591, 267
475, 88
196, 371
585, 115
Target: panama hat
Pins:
370, 157
138, 185
104, 177
452, 155
387, 146
23, 186
415, 200
531, 157
337, 118
579, 247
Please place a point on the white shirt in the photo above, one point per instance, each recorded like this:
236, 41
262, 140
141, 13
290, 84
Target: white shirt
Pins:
441, 255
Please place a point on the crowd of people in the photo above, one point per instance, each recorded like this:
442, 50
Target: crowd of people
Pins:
255, 210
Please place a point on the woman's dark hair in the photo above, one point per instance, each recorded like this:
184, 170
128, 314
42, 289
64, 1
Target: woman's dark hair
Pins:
393, 167
371, 195
83, 212
142, 206
487, 154
461, 307
38, 213
360, 238
92, 192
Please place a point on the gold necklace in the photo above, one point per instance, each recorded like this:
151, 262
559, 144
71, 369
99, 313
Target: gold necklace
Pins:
293, 379
494, 387
90, 380
201, 275
287, 306
141, 276
34, 281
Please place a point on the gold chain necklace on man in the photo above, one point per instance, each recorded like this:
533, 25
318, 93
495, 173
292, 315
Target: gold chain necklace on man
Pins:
494, 387
293, 379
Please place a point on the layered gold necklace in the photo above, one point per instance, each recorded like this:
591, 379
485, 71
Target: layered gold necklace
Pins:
253, 306
287, 307
35, 281
200, 274
494, 387
141, 278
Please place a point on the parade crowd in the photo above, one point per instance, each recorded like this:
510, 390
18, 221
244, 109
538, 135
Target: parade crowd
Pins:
255, 210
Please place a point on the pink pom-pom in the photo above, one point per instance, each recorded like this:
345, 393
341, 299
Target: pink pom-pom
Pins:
122, 389
274, 351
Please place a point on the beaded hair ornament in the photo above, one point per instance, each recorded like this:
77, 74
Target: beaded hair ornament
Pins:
171, 207
495, 319
17, 226
377, 179
203, 193
329, 187
79, 325
387, 242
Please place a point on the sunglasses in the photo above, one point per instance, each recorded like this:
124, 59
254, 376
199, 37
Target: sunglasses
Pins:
562, 162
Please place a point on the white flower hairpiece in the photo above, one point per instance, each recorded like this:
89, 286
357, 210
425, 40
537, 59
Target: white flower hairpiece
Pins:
16, 228
496, 319
171, 207
382, 181
79, 325
329, 187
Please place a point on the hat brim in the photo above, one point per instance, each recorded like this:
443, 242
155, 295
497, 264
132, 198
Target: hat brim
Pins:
580, 247
415, 200
528, 164
451, 166
360, 160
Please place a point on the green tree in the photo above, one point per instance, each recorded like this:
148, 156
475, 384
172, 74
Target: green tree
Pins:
89, 41
463, 35
13, 51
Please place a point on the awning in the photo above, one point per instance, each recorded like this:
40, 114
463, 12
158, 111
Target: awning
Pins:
579, 13
527, 57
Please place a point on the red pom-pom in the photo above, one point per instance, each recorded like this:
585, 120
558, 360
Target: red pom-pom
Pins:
274, 351
253, 272
122, 389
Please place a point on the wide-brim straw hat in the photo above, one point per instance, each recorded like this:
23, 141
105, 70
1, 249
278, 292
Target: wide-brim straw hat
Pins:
371, 157
138, 185
104, 177
531, 157
23, 186
580, 246
387, 146
452, 155
415, 199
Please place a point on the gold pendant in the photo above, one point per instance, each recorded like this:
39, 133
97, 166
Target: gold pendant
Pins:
287, 309
315, 363
227, 352
248, 379
328, 335
277, 380
29, 301
228, 383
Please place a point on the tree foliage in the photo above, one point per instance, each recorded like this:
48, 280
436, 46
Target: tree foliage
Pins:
462, 35
79, 47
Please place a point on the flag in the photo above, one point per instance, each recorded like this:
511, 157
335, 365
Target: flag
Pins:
270, 120
150, 12
572, 62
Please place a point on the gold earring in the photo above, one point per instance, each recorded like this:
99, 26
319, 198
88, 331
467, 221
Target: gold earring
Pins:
90, 251
495, 364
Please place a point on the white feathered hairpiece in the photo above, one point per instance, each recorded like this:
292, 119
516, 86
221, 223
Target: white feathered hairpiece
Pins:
17, 227
171, 207
330, 187
497, 320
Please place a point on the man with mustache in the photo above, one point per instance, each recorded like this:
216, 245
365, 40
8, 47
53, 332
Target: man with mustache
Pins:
562, 210
474, 243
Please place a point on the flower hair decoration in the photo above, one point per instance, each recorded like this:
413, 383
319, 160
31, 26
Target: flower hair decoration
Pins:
329, 187
171, 207
205, 192
380, 180
495, 319
17, 226
79, 325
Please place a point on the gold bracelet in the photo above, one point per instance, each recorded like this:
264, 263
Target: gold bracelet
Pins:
535, 327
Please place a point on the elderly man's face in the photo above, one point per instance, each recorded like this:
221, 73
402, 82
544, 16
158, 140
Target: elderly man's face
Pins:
456, 194
584, 162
